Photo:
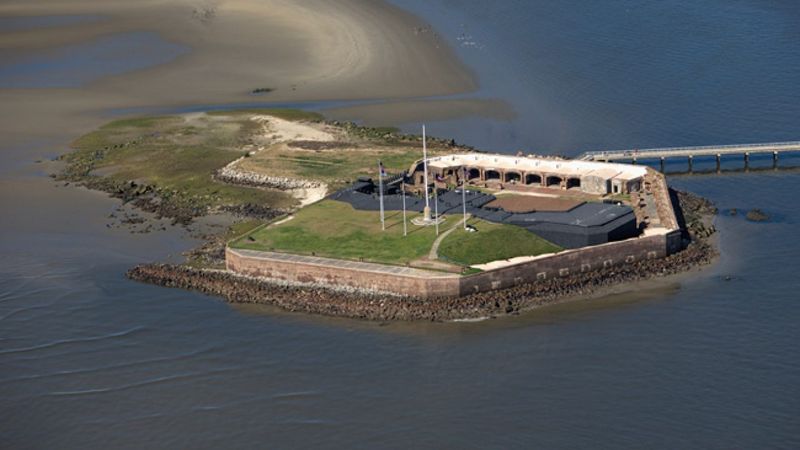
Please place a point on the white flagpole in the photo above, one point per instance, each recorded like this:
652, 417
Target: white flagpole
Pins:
380, 188
425, 166
405, 226
436, 207
464, 195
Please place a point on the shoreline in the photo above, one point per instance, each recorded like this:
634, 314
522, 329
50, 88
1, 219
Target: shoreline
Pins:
700, 253
355, 50
354, 304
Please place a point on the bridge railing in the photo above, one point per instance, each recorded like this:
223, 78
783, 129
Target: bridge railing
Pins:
638, 152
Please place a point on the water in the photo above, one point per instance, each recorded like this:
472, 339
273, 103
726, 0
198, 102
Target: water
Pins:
585, 75
21, 23
89, 359
78, 64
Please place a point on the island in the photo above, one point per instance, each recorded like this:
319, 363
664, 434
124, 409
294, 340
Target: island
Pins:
339, 219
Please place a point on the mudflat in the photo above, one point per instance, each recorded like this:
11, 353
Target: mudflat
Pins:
289, 51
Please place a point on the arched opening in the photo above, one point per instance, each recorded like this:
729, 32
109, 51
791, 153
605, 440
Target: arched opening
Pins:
513, 177
532, 178
573, 183
492, 175
553, 181
473, 174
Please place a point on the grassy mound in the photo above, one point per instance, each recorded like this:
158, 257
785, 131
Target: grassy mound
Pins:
335, 230
492, 242
172, 156
172, 159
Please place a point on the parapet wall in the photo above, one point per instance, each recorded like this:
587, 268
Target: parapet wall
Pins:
424, 284
569, 262
333, 272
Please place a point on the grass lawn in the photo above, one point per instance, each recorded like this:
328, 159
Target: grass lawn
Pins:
336, 230
492, 242
333, 166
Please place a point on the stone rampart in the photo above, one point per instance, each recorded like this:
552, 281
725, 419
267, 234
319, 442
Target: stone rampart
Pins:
568, 262
425, 284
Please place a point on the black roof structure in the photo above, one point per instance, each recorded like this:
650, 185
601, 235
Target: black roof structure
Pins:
584, 225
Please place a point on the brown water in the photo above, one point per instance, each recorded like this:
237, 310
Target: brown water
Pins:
89, 359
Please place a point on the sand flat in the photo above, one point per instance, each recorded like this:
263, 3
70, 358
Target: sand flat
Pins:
312, 50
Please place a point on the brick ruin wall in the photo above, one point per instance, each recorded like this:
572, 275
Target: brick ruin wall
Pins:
333, 275
558, 265
569, 262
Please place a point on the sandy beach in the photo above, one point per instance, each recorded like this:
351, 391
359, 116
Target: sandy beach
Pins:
302, 51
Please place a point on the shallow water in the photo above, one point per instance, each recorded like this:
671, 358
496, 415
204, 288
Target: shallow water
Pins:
21, 23
78, 64
89, 359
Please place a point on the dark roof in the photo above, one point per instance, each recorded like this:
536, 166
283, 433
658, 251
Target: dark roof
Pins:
586, 215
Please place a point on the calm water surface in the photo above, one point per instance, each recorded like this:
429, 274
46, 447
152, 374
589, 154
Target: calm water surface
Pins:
89, 359
20, 23
78, 64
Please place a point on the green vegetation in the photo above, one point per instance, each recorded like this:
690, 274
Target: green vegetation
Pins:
336, 230
281, 113
171, 157
492, 242
166, 164
335, 166
240, 228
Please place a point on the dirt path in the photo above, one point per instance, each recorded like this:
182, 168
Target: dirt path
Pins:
433, 255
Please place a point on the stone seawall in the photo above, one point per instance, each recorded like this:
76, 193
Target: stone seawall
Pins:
426, 284
374, 306
332, 272
568, 262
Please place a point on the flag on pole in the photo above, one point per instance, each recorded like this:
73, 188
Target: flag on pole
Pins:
464, 195
381, 173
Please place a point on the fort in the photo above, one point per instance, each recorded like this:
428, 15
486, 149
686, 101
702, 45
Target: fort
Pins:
598, 215
339, 219
521, 172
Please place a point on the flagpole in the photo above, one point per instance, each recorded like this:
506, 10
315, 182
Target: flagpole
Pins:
425, 167
436, 206
380, 188
405, 226
464, 195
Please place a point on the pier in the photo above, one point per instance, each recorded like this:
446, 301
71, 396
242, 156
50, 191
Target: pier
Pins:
717, 151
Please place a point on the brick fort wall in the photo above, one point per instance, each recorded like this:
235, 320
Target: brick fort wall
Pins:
558, 265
